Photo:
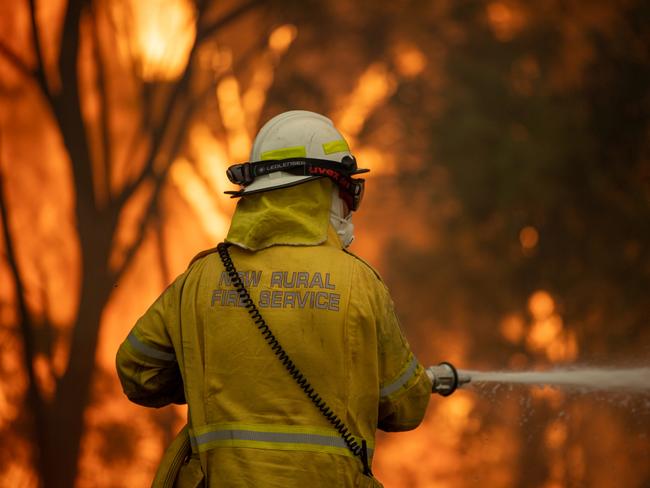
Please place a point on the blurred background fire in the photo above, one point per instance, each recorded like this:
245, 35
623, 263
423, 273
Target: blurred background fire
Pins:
508, 209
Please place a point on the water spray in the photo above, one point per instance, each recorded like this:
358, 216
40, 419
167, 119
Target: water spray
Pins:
573, 377
446, 378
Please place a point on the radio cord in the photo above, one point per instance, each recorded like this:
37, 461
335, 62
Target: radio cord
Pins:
361, 451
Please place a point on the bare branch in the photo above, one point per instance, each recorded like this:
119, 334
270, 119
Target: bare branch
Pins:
147, 173
142, 228
157, 137
69, 44
107, 153
143, 89
206, 31
152, 211
39, 73
18, 63
158, 181
203, 32
155, 145
67, 110
25, 322
44, 322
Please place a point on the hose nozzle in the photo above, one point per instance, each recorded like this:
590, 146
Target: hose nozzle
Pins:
445, 378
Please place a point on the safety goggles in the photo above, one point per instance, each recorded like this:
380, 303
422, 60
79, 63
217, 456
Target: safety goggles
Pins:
350, 189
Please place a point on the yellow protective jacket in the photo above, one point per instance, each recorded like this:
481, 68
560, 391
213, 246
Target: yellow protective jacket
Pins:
249, 424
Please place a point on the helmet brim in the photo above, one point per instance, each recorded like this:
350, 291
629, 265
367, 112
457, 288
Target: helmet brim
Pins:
270, 185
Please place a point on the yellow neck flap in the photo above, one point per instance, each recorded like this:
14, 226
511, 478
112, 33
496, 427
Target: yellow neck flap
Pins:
295, 216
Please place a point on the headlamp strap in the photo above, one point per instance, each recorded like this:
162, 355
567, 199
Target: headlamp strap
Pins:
301, 167
340, 173
244, 174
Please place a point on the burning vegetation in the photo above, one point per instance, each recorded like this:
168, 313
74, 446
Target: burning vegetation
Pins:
507, 210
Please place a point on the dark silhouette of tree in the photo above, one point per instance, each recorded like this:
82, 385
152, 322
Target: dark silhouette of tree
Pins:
58, 423
499, 117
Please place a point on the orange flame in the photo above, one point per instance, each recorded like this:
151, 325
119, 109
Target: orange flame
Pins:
156, 35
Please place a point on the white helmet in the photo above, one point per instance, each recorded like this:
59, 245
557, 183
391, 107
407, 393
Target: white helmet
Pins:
307, 146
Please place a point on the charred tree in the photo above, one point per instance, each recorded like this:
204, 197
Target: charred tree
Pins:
59, 422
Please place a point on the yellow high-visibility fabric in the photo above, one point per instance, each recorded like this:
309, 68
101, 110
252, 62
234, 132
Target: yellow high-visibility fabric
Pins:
296, 216
334, 317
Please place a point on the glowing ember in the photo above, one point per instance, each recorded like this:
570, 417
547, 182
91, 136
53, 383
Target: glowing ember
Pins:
541, 305
528, 236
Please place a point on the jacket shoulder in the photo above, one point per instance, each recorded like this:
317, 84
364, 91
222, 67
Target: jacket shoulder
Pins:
364, 264
201, 255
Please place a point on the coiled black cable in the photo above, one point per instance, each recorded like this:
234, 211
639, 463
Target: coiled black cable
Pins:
360, 451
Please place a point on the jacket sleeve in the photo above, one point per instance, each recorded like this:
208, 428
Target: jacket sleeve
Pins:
405, 388
146, 360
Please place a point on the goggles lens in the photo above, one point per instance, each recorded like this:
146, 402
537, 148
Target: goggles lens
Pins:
353, 195
361, 188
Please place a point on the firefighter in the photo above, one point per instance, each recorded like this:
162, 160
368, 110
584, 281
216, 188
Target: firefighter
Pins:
306, 412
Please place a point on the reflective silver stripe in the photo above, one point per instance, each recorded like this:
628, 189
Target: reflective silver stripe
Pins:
279, 437
148, 350
401, 381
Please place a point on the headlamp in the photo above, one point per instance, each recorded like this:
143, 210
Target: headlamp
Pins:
240, 174
351, 190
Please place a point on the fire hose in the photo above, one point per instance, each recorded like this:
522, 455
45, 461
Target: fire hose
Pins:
445, 378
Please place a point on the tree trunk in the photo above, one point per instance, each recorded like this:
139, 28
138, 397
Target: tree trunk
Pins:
65, 417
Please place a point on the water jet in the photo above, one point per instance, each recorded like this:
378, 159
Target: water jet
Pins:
584, 378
